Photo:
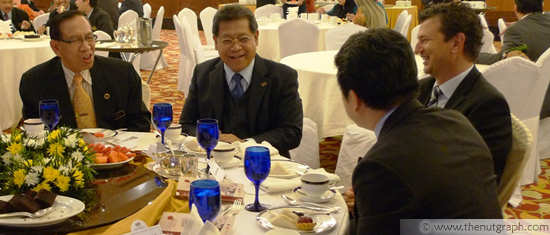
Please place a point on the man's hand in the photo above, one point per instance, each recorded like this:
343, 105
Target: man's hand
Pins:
25, 24
230, 138
349, 198
61, 9
321, 10
41, 30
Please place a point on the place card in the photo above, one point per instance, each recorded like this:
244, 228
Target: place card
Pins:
216, 170
229, 191
140, 228
172, 223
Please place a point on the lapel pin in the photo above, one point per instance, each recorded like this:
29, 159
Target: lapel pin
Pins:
264, 83
107, 96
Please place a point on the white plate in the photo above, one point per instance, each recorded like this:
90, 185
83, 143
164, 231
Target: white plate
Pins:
64, 208
292, 167
233, 163
110, 165
324, 221
108, 133
302, 196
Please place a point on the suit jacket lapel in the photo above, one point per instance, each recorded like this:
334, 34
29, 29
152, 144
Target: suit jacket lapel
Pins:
216, 78
426, 88
463, 88
259, 84
59, 90
104, 103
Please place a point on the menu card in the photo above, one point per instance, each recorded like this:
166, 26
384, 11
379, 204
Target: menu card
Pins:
229, 191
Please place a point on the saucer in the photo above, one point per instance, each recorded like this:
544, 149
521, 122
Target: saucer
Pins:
233, 163
302, 196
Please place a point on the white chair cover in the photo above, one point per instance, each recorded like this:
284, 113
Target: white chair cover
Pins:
149, 58
414, 35
356, 142
129, 18
487, 41
400, 20
200, 54
483, 21
40, 20
308, 150
406, 26
147, 10
146, 94
544, 129
335, 37
267, 10
207, 20
119, 4
298, 36
102, 36
187, 56
191, 19
501, 28
520, 82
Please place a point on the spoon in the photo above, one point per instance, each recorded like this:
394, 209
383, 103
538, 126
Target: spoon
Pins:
37, 214
169, 143
294, 202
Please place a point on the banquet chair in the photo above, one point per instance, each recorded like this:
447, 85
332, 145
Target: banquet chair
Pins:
543, 147
267, 10
40, 20
406, 26
515, 162
483, 21
487, 41
335, 37
298, 36
207, 21
308, 150
414, 35
187, 58
119, 4
147, 10
400, 20
523, 88
149, 58
191, 18
501, 28
129, 18
102, 36
356, 142
200, 54
146, 94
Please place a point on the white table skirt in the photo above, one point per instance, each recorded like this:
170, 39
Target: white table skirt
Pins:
268, 39
16, 57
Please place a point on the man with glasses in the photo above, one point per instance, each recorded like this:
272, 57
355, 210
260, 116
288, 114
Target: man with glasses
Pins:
92, 91
251, 97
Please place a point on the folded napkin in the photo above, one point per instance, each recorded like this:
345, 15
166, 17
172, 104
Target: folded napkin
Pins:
274, 185
195, 226
251, 142
5, 26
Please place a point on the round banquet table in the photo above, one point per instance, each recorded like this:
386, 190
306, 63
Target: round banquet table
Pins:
268, 39
320, 92
16, 57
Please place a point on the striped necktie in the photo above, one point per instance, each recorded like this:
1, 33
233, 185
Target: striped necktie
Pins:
435, 97
83, 109
238, 90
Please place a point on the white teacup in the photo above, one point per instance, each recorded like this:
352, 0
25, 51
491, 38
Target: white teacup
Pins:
313, 17
224, 152
478, 4
324, 18
315, 185
173, 132
333, 20
34, 126
275, 17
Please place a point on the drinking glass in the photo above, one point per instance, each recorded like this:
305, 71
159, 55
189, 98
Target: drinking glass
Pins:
162, 117
205, 194
257, 163
49, 113
207, 136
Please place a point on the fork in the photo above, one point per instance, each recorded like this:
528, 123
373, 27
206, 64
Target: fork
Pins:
236, 208
38, 214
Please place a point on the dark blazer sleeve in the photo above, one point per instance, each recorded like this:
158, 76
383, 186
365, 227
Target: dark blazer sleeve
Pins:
131, 5
512, 38
138, 115
19, 16
101, 21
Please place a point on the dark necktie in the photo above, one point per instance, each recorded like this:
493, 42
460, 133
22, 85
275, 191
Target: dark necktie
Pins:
238, 90
6, 17
435, 97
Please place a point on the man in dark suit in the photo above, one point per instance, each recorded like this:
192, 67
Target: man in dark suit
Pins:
251, 97
19, 18
112, 85
449, 40
111, 8
99, 19
531, 29
428, 163
61, 6
135, 5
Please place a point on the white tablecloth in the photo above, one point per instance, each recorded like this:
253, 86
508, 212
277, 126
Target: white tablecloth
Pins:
320, 92
268, 40
16, 57
245, 223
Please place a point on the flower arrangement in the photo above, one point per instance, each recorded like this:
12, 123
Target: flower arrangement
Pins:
58, 161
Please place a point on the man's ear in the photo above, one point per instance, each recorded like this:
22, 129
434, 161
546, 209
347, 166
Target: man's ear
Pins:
458, 42
54, 44
354, 100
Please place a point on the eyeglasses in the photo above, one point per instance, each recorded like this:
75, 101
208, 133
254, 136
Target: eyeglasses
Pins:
91, 38
241, 41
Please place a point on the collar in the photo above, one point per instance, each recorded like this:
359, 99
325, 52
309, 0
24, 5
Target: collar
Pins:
246, 73
449, 87
381, 122
526, 15
90, 13
69, 75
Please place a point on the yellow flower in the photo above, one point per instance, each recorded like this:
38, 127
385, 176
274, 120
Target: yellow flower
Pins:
19, 177
50, 174
81, 143
78, 175
56, 150
85, 148
18, 138
28, 163
43, 185
15, 148
63, 183
53, 135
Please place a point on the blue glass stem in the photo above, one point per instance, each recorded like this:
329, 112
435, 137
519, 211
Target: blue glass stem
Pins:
162, 136
208, 166
257, 200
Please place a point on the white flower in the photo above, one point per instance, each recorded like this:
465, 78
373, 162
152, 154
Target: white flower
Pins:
40, 142
71, 141
77, 155
30, 143
5, 138
6, 158
18, 158
37, 169
64, 169
31, 178
47, 160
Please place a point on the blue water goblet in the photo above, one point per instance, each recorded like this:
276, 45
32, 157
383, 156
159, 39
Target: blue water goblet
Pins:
257, 163
49, 113
205, 194
208, 135
162, 117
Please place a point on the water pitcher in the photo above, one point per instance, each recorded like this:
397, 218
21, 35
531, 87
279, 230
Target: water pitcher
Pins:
145, 31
